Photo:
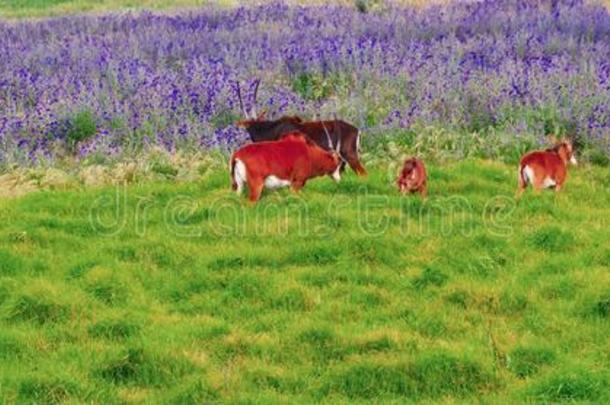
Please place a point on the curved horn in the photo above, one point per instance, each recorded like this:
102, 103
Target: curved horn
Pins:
330, 142
253, 109
241, 102
338, 133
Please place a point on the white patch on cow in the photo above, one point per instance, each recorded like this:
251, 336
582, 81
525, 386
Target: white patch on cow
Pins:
573, 160
239, 175
358, 142
336, 176
549, 182
528, 174
275, 182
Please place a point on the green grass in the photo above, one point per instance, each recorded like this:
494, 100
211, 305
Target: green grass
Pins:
52, 8
347, 292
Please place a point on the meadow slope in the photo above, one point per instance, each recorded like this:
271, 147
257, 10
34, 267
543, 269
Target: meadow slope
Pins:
184, 292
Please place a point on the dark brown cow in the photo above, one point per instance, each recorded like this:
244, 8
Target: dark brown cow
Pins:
327, 134
291, 161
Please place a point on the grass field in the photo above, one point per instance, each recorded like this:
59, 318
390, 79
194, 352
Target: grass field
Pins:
183, 292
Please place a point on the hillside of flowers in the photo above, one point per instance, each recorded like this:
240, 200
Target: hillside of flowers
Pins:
114, 85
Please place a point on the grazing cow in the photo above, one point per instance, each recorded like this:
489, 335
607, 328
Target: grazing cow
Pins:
291, 161
413, 177
327, 134
548, 168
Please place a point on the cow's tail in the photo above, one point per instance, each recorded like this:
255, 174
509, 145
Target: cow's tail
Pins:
232, 169
523, 176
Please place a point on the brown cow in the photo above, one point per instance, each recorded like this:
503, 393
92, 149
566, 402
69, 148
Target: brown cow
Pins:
546, 169
290, 161
413, 177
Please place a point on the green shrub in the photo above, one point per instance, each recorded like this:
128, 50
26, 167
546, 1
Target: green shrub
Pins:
459, 298
164, 169
246, 286
36, 306
315, 255
552, 239
114, 329
195, 392
428, 377
525, 361
10, 347
323, 345
10, 264
142, 367
107, 285
316, 87
292, 300
441, 373
381, 344
429, 277
81, 126
512, 303
572, 385
47, 390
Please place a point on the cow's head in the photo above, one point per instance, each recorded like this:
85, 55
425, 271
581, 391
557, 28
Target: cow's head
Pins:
564, 148
323, 161
409, 176
332, 161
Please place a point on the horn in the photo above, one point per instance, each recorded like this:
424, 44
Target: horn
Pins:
253, 110
338, 132
241, 102
330, 142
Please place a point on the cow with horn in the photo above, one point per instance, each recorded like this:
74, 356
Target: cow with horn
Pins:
327, 134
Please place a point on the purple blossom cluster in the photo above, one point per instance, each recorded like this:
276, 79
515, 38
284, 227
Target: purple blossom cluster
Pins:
170, 80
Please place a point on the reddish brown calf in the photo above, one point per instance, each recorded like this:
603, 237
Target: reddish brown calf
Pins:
413, 177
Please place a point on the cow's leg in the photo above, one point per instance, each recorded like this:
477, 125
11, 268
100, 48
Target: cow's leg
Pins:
297, 185
354, 163
423, 191
538, 185
255, 185
349, 153
558, 187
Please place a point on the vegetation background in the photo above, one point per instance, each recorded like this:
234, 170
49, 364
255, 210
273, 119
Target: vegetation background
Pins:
168, 288
45, 8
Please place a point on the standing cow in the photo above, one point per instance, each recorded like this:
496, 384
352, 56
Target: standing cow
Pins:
547, 168
290, 161
327, 134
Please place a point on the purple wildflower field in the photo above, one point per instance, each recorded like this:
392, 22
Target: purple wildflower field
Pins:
521, 67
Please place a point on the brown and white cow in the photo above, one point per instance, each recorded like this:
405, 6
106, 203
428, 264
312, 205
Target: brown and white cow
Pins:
547, 168
413, 177
291, 161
